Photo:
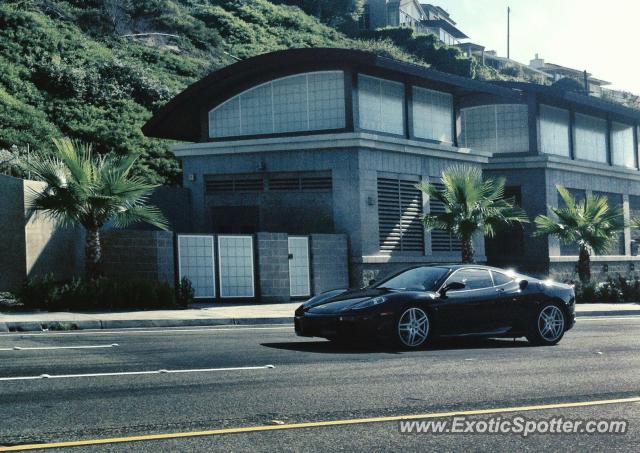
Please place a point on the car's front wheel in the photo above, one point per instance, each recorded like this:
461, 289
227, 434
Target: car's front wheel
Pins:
413, 327
549, 325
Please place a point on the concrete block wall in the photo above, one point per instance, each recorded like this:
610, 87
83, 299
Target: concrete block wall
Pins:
33, 245
600, 270
143, 255
273, 267
329, 262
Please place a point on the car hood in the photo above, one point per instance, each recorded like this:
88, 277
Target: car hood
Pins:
339, 301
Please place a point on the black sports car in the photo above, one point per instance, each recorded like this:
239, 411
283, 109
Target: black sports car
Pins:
416, 304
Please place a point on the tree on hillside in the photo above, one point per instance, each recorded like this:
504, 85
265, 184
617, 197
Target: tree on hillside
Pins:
471, 206
86, 189
333, 12
591, 224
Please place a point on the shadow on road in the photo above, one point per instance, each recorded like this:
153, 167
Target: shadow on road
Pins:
346, 347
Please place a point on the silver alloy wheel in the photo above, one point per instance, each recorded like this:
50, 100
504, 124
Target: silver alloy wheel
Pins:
413, 327
551, 323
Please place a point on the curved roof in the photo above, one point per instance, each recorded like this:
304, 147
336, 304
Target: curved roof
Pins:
181, 117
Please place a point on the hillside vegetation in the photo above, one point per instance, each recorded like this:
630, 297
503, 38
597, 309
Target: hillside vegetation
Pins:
96, 70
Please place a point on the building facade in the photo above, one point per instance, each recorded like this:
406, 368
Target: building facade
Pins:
422, 17
316, 141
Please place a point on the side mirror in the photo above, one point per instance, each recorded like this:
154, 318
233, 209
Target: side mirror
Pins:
453, 286
372, 281
523, 284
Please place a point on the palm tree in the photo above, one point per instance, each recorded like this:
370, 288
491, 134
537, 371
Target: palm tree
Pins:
89, 190
591, 224
471, 205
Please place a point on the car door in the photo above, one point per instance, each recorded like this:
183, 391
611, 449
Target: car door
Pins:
469, 310
507, 296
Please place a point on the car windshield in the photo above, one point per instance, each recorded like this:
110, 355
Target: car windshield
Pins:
416, 279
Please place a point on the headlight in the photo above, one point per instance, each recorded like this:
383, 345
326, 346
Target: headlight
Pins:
369, 303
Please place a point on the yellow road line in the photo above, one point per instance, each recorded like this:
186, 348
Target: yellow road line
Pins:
353, 421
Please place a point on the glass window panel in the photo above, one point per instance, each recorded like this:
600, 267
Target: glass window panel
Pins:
622, 150
432, 115
197, 264
472, 279
590, 138
326, 100
236, 266
554, 131
380, 105
501, 128
290, 109
304, 102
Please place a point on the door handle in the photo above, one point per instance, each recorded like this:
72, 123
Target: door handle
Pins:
499, 290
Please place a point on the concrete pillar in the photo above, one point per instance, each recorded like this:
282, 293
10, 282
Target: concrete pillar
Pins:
329, 268
273, 267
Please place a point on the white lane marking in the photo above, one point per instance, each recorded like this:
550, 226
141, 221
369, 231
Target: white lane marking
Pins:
135, 331
49, 348
135, 373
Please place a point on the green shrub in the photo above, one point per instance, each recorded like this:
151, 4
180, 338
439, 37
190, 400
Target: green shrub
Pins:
103, 293
184, 292
618, 289
586, 292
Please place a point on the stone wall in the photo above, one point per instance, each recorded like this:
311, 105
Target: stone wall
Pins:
139, 255
273, 267
329, 262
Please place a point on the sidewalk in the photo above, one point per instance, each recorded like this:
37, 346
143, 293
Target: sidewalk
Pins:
216, 315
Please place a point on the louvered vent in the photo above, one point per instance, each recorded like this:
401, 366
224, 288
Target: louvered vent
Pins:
315, 183
441, 241
231, 184
399, 216
284, 184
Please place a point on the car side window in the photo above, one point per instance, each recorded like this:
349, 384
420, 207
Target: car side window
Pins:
472, 278
500, 279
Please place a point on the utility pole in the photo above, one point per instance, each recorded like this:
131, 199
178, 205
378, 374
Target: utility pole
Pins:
508, 32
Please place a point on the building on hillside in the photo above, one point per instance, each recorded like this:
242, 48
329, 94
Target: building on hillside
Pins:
437, 21
312, 141
422, 17
556, 72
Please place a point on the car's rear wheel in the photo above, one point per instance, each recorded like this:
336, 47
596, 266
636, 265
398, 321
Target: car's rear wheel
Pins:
413, 328
549, 325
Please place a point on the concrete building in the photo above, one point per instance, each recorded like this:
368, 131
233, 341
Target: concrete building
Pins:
556, 72
309, 141
422, 17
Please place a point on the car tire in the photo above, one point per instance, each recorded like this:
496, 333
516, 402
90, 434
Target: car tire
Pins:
412, 327
549, 325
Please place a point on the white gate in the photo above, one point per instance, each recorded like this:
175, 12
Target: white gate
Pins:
235, 256
196, 261
299, 281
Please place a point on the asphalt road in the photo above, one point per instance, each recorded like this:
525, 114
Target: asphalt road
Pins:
311, 381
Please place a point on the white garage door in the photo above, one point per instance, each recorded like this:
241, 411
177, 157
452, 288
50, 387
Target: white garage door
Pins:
299, 283
235, 255
196, 261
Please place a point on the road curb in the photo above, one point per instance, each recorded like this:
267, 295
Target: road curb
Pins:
585, 314
39, 326
63, 325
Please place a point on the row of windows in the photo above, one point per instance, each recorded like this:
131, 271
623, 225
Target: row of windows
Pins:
381, 108
316, 101
590, 137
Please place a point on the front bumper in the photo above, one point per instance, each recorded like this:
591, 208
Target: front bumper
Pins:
340, 326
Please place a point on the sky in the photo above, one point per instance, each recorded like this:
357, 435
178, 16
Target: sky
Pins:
601, 37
